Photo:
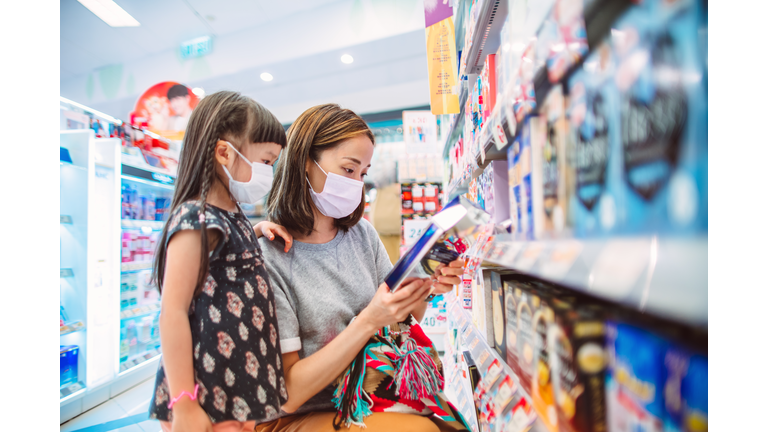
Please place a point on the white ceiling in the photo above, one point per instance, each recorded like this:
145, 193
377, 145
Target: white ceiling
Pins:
299, 42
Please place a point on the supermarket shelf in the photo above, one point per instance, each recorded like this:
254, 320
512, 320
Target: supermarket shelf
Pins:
65, 219
663, 276
458, 122
484, 354
72, 391
140, 223
66, 272
71, 328
128, 267
140, 311
139, 360
486, 34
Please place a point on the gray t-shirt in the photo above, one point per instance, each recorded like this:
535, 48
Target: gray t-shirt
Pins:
319, 288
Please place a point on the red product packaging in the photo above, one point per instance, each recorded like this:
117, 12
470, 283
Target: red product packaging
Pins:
489, 86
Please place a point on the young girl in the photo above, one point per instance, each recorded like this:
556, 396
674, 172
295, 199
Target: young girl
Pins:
221, 368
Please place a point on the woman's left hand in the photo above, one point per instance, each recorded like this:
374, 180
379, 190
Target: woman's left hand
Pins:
446, 276
270, 229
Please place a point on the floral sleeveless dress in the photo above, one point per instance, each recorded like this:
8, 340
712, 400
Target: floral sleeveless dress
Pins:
236, 348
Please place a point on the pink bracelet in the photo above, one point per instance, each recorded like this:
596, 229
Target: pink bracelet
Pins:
183, 393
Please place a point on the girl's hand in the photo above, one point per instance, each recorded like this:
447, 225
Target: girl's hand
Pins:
269, 230
447, 276
388, 308
189, 416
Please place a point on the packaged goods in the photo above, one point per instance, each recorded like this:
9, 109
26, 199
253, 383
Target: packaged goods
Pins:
594, 151
68, 357
663, 110
578, 362
635, 381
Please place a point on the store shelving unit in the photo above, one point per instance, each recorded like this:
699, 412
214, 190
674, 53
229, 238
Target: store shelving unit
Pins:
661, 275
89, 266
146, 195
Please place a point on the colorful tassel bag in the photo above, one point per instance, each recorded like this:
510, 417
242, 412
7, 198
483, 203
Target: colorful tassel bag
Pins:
397, 371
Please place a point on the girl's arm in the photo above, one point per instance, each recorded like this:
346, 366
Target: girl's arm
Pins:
181, 271
306, 377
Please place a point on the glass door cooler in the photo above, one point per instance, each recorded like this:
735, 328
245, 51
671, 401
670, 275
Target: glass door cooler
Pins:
146, 191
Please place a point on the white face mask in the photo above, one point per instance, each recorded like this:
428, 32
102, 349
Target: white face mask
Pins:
256, 188
340, 196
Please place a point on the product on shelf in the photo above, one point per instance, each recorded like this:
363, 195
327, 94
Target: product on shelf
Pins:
594, 146
68, 364
694, 403
496, 280
578, 363
521, 178
557, 178
527, 307
663, 117
489, 85
636, 378
570, 45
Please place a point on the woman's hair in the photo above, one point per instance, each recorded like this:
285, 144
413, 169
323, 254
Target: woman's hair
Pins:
223, 115
318, 129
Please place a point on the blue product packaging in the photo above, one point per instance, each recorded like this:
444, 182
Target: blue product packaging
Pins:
635, 380
663, 109
685, 391
594, 149
68, 364
526, 193
695, 392
514, 210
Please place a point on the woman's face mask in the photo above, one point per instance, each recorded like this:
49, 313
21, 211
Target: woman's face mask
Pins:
340, 197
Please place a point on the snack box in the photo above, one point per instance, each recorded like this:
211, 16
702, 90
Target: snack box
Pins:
635, 380
557, 177
527, 307
495, 279
594, 147
578, 363
663, 117
685, 391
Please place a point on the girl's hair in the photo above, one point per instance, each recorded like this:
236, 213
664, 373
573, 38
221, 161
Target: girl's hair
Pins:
223, 115
318, 129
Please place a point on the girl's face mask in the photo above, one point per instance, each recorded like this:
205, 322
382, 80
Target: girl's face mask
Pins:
256, 188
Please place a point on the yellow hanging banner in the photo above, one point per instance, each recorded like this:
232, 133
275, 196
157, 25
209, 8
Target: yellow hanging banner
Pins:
441, 54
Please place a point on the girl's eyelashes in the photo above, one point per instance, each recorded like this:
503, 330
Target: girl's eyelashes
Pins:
267, 162
349, 170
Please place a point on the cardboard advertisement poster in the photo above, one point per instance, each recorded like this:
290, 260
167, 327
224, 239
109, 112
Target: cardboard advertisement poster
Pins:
441, 60
165, 109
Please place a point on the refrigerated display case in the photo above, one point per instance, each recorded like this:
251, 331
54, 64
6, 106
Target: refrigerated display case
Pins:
146, 194
89, 264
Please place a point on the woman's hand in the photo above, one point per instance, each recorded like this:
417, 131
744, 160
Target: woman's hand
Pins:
446, 276
269, 230
388, 308
189, 416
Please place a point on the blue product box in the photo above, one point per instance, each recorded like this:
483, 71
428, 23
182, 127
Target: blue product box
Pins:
663, 110
685, 391
635, 380
526, 193
596, 204
695, 391
68, 364
513, 162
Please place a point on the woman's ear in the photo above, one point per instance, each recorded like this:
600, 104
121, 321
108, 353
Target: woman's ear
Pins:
222, 153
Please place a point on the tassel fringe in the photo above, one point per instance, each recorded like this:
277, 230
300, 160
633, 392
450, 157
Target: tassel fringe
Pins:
416, 376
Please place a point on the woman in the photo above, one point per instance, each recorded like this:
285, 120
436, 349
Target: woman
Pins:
327, 300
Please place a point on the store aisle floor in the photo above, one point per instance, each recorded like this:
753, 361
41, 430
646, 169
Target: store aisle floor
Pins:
128, 412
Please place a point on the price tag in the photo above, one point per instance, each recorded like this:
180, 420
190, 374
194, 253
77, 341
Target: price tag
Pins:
529, 256
474, 344
499, 135
493, 373
412, 230
484, 356
561, 259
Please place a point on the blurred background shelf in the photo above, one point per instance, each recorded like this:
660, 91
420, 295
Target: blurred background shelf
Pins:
139, 223
127, 267
661, 275
72, 327
139, 311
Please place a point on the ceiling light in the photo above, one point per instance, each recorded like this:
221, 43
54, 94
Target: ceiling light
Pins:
199, 92
346, 58
266, 76
110, 13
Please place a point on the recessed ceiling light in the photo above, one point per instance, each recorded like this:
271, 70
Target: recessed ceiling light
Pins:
110, 13
346, 58
266, 76
199, 92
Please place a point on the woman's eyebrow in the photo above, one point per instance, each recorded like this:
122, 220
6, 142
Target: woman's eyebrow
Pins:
355, 160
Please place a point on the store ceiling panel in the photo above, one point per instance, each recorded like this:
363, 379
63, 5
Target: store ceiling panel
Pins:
299, 42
